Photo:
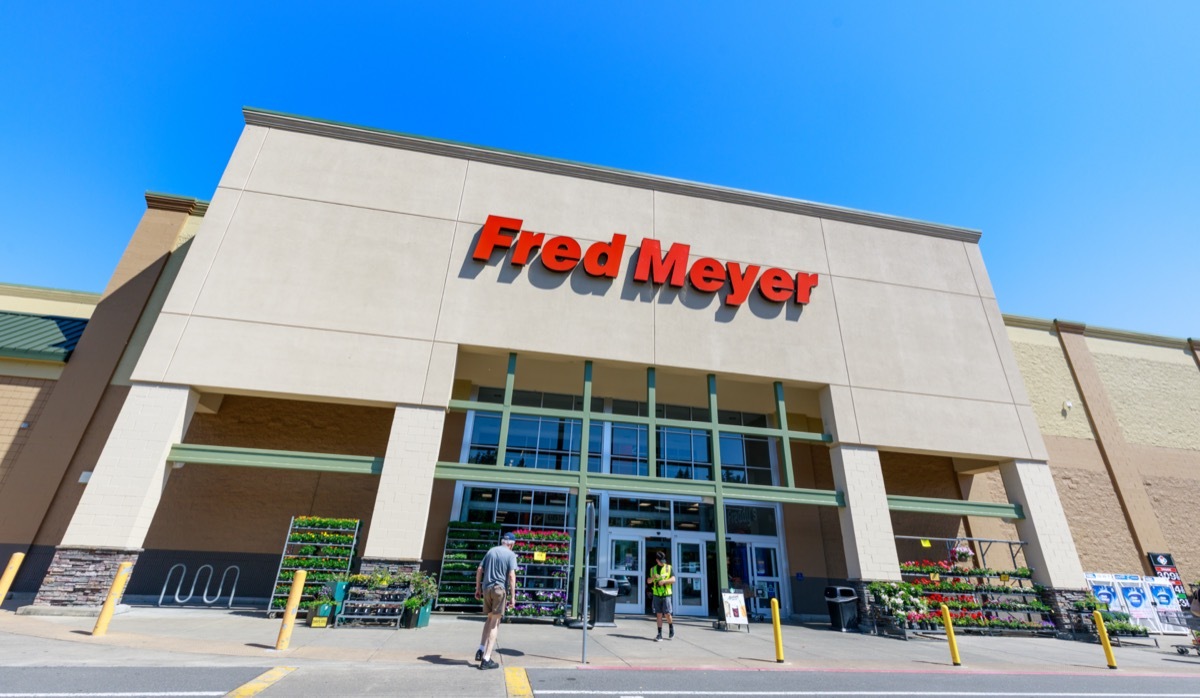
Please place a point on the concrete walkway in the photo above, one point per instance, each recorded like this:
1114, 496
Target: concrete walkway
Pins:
192, 637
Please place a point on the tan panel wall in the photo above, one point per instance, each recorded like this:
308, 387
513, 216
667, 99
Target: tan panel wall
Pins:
70, 490
27, 496
21, 402
440, 505
1049, 383
1155, 392
805, 535
831, 527
989, 487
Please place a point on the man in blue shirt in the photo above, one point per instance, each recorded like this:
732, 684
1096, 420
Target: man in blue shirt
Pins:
496, 586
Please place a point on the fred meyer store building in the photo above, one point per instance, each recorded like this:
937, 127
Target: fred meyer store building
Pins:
781, 395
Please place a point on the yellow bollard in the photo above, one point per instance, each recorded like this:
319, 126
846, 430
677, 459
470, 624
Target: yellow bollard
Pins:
1103, 633
289, 611
950, 635
10, 573
110, 602
778, 630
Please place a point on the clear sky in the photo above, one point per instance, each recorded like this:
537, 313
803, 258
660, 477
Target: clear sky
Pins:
1067, 132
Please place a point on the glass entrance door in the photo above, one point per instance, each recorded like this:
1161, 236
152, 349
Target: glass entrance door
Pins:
625, 562
691, 595
754, 570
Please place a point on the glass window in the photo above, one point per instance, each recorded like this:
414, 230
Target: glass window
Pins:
628, 512
684, 454
751, 520
694, 516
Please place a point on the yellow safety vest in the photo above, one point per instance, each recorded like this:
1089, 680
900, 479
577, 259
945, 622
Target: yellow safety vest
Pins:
660, 572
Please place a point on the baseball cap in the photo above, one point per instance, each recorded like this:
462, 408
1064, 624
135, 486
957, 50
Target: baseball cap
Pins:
508, 537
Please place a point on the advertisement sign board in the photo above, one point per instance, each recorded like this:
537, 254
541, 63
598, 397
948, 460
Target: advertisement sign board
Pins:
735, 608
1164, 567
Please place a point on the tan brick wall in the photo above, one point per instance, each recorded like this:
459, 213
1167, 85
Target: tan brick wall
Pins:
1049, 383
248, 509
921, 476
294, 425
21, 402
1155, 392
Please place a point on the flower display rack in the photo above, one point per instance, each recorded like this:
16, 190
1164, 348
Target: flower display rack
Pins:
980, 599
373, 604
544, 575
466, 544
322, 546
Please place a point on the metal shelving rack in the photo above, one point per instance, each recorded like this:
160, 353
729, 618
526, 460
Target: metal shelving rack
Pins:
283, 578
543, 585
466, 544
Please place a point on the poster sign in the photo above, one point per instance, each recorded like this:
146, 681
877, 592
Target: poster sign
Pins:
539, 556
1164, 566
1104, 593
1170, 612
735, 608
1136, 600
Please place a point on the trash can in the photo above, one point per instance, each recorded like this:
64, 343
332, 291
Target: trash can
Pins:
604, 600
843, 608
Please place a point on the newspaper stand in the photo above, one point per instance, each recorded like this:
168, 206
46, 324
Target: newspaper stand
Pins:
733, 602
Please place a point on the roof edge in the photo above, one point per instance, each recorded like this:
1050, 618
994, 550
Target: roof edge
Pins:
49, 294
173, 202
1097, 332
392, 139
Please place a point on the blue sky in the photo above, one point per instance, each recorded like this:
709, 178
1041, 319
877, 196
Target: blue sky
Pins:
1067, 132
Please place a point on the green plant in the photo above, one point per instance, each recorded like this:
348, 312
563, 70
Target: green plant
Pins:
422, 588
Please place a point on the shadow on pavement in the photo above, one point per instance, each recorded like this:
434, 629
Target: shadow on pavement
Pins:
630, 637
260, 646
443, 661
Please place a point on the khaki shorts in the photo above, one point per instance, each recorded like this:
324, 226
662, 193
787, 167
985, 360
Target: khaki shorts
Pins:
493, 600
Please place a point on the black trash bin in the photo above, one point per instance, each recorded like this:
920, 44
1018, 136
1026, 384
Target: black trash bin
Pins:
604, 600
843, 608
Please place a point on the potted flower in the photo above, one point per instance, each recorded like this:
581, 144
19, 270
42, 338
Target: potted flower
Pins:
320, 607
422, 591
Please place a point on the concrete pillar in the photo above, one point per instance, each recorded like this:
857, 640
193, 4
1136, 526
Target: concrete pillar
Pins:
121, 497
398, 522
1050, 549
867, 534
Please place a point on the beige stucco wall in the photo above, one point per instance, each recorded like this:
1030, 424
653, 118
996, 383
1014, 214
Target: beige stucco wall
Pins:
1155, 392
356, 257
47, 301
1050, 384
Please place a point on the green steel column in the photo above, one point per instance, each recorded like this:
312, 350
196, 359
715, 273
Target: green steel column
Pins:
786, 443
502, 447
719, 498
651, 428
581, 557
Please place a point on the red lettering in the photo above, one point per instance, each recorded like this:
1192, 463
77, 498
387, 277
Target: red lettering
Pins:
740, 282
492, 236
707, 275
612, 252
805, 283
661, 270
560, 254
527, 244
775, 285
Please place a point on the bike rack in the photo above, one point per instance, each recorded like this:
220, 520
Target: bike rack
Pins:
237, 573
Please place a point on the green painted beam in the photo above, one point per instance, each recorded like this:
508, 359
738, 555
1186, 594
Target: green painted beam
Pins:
506, 476
633, 483
784, 495
266, 458
954, 507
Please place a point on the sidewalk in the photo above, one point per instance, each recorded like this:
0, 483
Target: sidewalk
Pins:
148, 636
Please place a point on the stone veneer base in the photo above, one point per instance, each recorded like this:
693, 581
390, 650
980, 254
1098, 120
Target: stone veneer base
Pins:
81, 576
368, 565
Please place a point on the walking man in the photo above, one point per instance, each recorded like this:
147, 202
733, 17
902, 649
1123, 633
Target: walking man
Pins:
662, 581
496, 586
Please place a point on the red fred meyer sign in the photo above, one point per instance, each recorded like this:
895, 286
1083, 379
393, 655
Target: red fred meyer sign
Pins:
603, 260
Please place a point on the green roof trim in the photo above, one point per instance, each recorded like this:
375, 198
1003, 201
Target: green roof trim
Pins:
39, 337
270, 458
954, 507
